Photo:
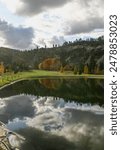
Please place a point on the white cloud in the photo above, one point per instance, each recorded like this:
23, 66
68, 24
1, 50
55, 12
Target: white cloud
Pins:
57, 40
86, 26
70, 19
12, 5
16, 37
59, 18
31, 8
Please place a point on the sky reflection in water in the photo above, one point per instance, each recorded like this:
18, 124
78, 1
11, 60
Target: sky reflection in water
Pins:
76, 123
52, 123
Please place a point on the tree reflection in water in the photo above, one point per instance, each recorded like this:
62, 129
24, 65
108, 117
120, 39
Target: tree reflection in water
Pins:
80, 90
55, 114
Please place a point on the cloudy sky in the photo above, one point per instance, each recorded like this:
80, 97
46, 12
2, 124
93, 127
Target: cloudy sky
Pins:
25, 23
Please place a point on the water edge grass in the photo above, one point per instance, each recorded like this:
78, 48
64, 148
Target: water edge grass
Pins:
8, 78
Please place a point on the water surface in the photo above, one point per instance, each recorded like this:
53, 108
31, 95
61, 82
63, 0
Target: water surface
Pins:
55, 114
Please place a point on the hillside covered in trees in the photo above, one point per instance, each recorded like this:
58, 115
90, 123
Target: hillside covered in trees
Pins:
79, 55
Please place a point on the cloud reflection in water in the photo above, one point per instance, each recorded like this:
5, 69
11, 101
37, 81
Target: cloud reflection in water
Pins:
79, 126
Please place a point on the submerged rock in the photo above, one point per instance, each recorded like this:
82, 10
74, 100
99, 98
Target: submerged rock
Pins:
8, 139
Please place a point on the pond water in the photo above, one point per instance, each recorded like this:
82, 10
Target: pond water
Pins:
55, 114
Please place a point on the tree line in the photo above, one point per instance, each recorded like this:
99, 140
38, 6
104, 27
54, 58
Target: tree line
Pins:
77, 56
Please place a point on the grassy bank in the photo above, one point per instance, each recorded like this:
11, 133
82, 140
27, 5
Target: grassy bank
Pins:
11, 77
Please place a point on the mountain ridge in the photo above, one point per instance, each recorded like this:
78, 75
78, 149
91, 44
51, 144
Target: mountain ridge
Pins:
78, 53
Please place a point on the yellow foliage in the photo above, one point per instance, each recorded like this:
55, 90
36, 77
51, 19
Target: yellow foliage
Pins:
62, 69
86, 69
2, 68
39, 66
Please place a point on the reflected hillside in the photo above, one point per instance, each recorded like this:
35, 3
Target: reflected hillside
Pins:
80, 90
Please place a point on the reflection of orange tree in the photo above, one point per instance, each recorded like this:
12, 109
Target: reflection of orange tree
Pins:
51, 83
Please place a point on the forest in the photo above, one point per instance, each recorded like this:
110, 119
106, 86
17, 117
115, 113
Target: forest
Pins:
79, 56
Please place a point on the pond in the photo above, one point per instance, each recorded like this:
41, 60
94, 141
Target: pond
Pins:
55, 113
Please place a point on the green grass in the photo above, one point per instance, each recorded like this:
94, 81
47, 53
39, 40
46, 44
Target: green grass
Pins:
11, 77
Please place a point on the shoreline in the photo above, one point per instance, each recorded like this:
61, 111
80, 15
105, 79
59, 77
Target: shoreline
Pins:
53, 76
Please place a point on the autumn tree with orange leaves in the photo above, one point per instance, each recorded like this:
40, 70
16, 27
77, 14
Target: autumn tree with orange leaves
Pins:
50, 64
